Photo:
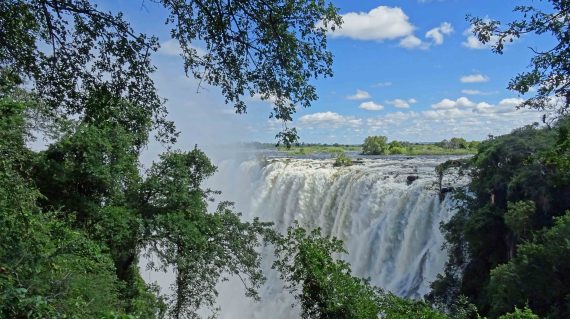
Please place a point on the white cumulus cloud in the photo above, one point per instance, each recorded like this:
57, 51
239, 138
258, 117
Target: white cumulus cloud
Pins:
477, 92
359, 95
450, 107
388, 23
170, 48
413, 42
401, 103
473, 43
450, 104
434, 36
371, 106
328, 119
381, 23
474, 78
260, 98
511, 102
457, 118
437, 34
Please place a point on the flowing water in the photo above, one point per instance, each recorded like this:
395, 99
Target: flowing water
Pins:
389, 223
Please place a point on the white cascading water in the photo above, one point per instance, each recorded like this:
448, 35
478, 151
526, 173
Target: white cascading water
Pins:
390, 226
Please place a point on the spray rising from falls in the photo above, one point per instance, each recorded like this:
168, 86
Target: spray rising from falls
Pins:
387, 211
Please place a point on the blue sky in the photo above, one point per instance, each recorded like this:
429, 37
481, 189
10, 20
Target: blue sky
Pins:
409, 70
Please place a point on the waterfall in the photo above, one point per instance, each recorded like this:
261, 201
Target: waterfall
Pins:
386, 210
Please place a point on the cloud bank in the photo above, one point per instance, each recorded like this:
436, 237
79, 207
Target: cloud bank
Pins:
359, 95
388, 23
461, 117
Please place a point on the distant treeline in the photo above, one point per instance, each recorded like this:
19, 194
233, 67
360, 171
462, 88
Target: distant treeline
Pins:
378, 145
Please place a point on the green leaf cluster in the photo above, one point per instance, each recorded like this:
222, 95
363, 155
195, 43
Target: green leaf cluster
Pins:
342, 160
375, 145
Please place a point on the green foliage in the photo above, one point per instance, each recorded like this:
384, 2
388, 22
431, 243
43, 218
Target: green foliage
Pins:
394, 148
49, 270
557, 158
519, 216
398, 308
548, 67
537, 276
49, 267
375, 145
515, 192
434, 149
306, 149
83, 260
90, 166
324, 287
342, 160
455, 143
520, 314
271, 48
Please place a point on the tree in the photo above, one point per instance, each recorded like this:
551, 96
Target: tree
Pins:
549, 66
202, 247
375, 145
396, 147
70, 48
454, 143
458, 142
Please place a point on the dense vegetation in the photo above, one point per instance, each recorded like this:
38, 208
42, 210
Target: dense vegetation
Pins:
374, 146
307, 149
378, 145
508, 242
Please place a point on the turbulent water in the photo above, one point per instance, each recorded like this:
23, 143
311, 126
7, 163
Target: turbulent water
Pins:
390, 225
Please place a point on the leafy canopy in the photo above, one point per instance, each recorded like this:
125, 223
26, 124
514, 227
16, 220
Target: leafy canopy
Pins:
375, 145
69, 48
